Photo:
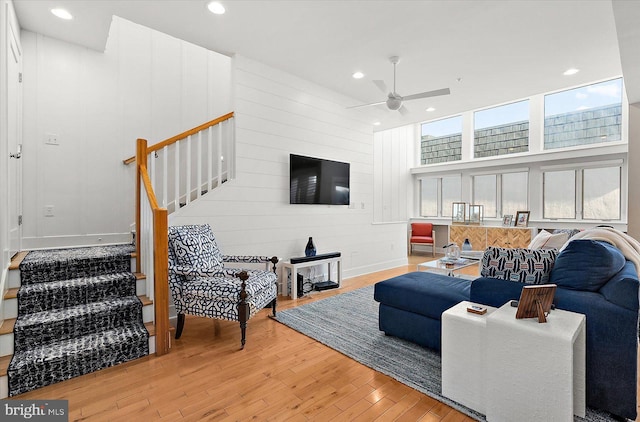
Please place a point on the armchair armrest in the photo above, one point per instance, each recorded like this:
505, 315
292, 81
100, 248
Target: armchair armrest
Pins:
251, 259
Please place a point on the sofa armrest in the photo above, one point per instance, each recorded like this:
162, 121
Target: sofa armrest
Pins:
494, 291
622, 289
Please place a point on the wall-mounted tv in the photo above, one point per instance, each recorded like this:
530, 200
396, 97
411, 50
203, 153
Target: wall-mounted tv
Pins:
318, 181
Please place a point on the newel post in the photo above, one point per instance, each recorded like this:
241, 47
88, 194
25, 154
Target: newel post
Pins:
141, 160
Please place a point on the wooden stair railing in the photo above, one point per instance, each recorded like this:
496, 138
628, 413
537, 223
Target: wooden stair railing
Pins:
158, 234
151, 218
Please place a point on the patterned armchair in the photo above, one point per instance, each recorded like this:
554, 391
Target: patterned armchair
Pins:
202, 286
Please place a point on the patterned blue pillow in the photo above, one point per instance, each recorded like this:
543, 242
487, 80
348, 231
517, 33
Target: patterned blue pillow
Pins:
531, 266
195, 246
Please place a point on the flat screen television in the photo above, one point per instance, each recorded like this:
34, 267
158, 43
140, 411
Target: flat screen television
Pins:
318, 181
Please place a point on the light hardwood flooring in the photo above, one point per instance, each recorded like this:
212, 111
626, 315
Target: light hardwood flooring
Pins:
280, 375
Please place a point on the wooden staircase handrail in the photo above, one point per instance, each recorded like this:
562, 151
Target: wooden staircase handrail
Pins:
182, 135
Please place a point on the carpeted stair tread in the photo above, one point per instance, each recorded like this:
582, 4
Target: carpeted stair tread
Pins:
77, 313
61, 264
39, 297
65, 359
40, 328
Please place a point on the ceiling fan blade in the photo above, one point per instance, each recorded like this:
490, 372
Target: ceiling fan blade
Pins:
381, 85
437, 92
403, 110
367, 105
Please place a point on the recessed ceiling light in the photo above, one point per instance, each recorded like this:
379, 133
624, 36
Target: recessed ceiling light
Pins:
571, 71
358, 75
431, 109
62, 14
216, 8
376, 123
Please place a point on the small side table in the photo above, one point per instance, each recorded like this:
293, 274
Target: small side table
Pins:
464, 356
535, 372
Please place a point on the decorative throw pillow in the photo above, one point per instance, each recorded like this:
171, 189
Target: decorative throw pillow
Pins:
546, 240
531, 266
586, 264
195, 246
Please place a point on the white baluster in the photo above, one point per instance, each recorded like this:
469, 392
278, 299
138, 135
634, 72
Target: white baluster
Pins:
165, 176
199, 168
176, 176
209, 158
188, 175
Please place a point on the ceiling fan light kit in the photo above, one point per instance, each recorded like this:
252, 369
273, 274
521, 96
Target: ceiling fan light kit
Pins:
394, 100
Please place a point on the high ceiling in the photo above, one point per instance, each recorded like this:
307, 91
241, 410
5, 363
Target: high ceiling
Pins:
486, 52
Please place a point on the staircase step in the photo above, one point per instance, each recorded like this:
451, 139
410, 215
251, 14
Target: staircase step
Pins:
42, 328
11, 293
7, 326
65, 359
17, 259
63, 264
39, 297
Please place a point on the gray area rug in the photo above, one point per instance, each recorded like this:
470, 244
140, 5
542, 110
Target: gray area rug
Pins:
348, 323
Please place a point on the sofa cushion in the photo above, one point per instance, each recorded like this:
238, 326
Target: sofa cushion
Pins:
586, 265
546, 240
423, 293
531, 266
195, 246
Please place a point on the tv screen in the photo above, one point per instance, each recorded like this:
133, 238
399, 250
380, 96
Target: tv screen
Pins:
318, 181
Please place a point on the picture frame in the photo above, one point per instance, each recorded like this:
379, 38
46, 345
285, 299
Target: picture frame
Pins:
459, 212
522, 218
475, 214
535, 301
507, 219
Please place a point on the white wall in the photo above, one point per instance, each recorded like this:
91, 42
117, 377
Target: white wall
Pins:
145, 85
278, 114
634, 171
394, 152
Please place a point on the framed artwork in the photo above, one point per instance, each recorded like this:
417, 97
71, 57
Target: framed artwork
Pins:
535, 301
522, 218
475, 214
459, 212
507, 219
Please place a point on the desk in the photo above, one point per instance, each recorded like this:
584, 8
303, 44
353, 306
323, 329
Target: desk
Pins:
535, 372
292, 269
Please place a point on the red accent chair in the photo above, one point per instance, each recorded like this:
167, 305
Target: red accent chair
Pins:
422, 234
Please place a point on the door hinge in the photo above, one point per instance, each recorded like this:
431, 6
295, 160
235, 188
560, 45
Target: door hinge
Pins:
19, 220
20, 77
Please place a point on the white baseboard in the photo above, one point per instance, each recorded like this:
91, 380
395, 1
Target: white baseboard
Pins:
380, 266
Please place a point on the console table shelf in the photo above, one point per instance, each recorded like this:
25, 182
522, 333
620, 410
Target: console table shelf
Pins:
292, 269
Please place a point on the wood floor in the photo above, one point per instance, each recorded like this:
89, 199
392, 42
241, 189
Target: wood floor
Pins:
281, 375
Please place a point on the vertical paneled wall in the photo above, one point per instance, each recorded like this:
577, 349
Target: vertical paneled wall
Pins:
634, 171
278, 114
145, 85
394, 157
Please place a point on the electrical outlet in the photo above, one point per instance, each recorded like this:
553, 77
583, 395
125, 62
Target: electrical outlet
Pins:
51, 139
48, 210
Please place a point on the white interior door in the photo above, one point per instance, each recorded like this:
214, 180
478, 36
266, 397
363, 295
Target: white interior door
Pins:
14, 133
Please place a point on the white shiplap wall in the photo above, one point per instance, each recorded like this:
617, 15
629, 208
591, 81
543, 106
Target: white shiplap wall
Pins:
395, 152
278, 114
145, 85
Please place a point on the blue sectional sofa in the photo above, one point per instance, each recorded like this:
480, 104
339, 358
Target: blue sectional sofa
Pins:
593, 278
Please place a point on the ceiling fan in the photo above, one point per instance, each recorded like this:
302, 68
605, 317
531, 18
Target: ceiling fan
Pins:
394, 100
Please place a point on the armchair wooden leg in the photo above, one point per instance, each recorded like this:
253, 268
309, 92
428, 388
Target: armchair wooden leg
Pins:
274, 302
243, 307
243, 315
180, 326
